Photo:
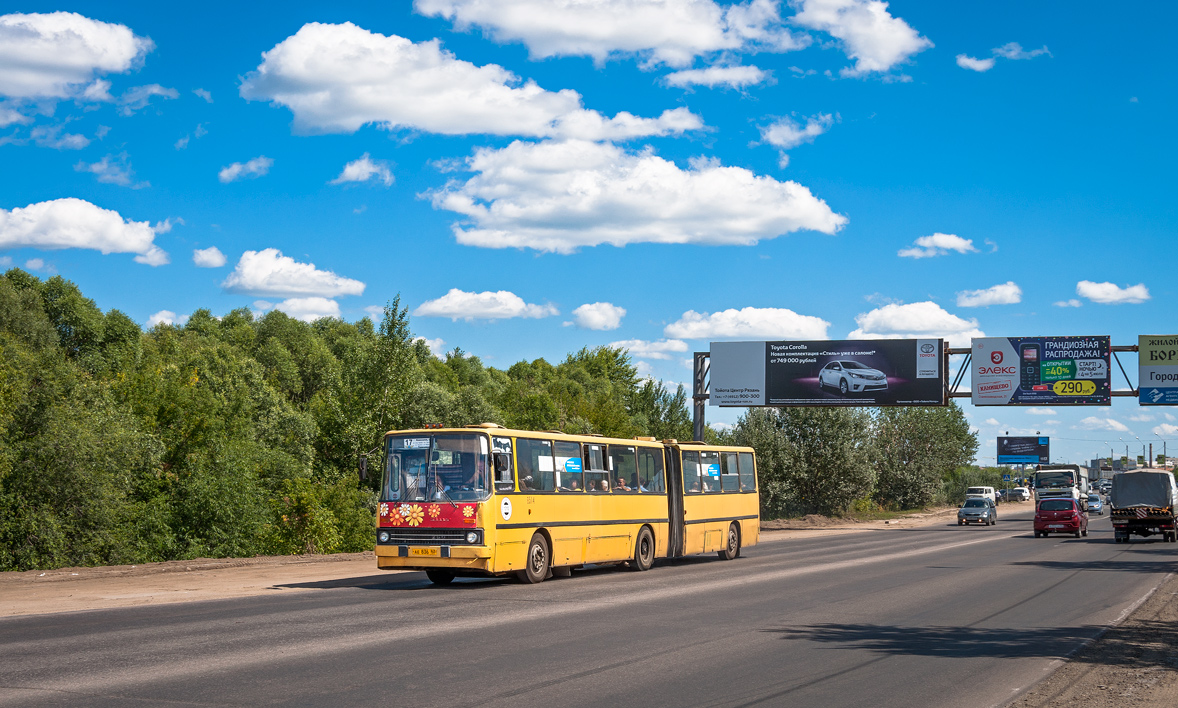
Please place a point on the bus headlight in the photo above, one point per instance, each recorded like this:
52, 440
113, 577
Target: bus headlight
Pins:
383, 536
472, 537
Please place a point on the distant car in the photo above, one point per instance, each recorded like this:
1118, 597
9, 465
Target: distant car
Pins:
1060, 516
851, 377
1021, 494
981, 492
1095, 506
1004, 495
977, 511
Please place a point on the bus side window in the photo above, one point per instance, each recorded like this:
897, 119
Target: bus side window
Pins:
728, 476
748, 475
535, 465
650, 470
623, 468
691, 480
595, 474
709, 468
568, 467
504, 481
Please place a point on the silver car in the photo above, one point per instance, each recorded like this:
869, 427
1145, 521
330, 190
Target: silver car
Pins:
851, 377
977, 511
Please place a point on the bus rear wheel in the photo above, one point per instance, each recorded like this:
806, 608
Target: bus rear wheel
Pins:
732, 549
536, 567
440, 577
643, 550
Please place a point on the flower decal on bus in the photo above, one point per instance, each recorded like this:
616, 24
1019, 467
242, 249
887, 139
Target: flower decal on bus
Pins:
434, 510
384, 509
415, 516
394, 516
468, 511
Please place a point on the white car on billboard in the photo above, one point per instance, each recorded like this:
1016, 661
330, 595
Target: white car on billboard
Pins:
851, 377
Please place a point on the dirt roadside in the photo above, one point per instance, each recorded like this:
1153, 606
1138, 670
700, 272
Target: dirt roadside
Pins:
1134, 663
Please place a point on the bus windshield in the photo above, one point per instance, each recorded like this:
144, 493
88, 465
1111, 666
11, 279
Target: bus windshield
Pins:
424, 467
1044, 480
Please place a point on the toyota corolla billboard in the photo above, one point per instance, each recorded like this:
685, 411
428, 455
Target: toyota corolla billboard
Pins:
880, 372
1036, 371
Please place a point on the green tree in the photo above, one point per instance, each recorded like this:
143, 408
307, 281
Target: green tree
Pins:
915, 448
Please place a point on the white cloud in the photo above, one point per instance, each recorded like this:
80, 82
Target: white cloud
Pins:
208, 97
599, 316
59, 55
642, 349
51, 136
268, 272
747, 323
5, 261
437, 347
1069, 303
1165, 429
255, 168
210, 257
1111, 294
166, 317
139, 96
363, 169
9, 116
1040, 411
113, 169
1014, 50
1140, 418
870, 35
671, 32
309, 309
76, 223
337, 78
713, 76
915, 320
561, 196
1007, 293
979, 65
458, 304
34, 264
1094, 423
198, 133
1011, 50
785, 133
937, 244
993, 422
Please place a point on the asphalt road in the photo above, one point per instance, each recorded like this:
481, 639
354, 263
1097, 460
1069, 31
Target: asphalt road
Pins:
938, 616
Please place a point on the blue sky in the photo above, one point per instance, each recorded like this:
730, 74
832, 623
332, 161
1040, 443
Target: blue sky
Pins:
533, 177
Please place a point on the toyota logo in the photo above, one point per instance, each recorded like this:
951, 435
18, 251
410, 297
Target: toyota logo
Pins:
996, 357
927, 348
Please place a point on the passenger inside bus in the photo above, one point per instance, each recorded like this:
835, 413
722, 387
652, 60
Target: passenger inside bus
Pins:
621, 486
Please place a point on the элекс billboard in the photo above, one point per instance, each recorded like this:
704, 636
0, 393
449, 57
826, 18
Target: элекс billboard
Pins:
1035, 371
880, 372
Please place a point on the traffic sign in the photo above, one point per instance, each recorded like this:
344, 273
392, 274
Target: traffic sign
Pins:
1005, 478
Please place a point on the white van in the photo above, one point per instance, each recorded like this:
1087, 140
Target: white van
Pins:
981, 493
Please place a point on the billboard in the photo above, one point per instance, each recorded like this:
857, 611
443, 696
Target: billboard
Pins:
882, 372
1059, 371
1024, 451
1157, 370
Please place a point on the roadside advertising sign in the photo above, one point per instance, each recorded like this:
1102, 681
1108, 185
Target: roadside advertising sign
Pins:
1059, 371
879, 372
1157, 370
1024, 450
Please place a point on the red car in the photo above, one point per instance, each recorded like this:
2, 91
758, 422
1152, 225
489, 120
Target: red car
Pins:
1060, 516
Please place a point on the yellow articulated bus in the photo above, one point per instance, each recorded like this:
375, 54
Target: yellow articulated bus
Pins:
486, 500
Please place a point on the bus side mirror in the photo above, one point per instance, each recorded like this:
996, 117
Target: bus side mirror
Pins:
363, 467
502, 462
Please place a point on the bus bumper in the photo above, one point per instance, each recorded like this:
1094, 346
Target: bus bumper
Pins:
474, 558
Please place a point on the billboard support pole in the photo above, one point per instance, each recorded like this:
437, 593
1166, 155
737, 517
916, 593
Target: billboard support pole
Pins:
699, 393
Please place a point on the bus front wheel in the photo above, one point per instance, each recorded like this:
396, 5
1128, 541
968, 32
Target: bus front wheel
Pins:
643, 550
536, 568
440, 577
732, 549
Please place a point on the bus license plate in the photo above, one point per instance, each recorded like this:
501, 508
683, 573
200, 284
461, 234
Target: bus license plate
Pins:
424, 552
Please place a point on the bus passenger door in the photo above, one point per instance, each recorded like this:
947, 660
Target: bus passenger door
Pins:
674, 502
